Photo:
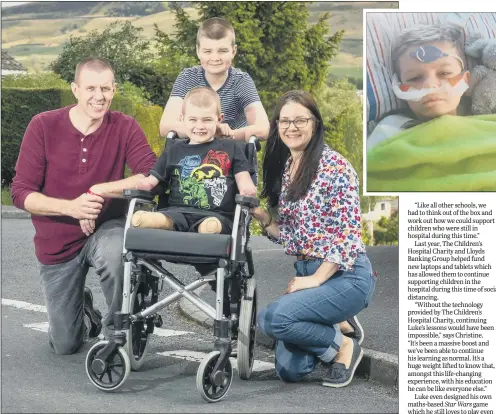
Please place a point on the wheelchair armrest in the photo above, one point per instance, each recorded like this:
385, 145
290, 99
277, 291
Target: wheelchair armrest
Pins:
143, 194
247, 201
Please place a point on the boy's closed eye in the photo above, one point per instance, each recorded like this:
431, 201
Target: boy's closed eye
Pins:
414, 79
445, 74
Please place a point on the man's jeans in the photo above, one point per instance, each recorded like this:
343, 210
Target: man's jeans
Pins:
63, 286
305, 323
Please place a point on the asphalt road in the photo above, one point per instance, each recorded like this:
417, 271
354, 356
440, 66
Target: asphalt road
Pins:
274, 269
35, 380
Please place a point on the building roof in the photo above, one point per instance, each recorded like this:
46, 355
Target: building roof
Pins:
9, 63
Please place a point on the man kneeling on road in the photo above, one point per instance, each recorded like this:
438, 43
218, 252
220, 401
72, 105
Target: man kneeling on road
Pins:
69, 176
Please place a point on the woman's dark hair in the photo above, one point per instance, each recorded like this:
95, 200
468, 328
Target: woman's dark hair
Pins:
277, 153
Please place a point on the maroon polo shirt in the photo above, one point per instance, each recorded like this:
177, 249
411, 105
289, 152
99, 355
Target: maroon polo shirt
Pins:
60, 162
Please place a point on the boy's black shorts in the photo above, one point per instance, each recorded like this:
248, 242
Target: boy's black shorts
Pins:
188, 219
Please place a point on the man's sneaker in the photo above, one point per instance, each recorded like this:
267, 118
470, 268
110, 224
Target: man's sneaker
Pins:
339, 375
357, 333
94, 317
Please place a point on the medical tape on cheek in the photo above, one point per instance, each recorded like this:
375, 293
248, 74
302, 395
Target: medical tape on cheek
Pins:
453, 86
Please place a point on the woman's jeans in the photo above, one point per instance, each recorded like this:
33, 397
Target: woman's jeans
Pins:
305, 323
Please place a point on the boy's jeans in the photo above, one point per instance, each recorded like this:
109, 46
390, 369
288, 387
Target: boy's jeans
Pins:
63, 286
305, 323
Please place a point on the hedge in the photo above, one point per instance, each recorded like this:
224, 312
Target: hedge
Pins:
20, 105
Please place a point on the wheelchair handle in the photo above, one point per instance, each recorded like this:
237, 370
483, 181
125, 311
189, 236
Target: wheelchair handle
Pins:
255, 141
172, 135
146, 195
253, 147
247, 201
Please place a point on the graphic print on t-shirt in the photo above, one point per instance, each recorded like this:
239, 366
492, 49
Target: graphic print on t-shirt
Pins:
219, 158
206, 172
188, 164
218, 188
197, 176
193, 192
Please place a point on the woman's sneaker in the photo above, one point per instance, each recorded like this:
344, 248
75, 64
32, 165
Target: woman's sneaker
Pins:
357, 333
92, 315
339, 375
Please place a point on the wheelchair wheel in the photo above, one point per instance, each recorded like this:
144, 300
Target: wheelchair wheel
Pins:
116, 371
137, 337
209, 391
247, 330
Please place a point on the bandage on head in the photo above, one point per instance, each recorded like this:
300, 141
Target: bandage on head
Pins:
430, 53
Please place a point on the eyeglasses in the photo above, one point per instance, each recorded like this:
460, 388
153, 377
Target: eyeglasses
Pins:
298, 123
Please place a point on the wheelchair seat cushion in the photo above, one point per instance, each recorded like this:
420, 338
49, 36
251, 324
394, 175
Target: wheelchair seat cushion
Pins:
178, 243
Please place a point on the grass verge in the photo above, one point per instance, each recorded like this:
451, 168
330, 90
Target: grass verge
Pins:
6, 199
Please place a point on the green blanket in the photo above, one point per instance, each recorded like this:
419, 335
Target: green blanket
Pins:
450, 153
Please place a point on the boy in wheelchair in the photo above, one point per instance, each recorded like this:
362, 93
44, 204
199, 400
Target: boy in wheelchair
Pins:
202, 173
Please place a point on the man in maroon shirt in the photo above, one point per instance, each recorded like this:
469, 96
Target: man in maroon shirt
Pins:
69, 176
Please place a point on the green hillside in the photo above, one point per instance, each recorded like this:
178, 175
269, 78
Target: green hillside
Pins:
34, 33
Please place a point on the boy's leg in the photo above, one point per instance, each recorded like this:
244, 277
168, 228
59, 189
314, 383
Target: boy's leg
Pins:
152, 220
217, 224
63, 286
210, 225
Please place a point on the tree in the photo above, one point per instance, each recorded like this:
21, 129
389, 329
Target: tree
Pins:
42, 80
342, 113
388, 230
120, 43
133, 92
365, 235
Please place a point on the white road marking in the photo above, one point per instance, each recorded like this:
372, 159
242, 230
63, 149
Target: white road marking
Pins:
182, 354
19, 304
169, 332
42, 327
196, 356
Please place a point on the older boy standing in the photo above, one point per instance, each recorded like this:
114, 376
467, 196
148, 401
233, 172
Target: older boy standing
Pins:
243, 111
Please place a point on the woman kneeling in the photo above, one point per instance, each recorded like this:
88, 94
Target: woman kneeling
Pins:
315, 190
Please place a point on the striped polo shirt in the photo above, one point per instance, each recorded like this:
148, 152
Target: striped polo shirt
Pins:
236, 94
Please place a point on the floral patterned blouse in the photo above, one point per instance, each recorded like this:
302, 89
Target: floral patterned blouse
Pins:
326, 223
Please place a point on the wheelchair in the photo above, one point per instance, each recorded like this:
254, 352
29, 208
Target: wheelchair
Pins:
222, 259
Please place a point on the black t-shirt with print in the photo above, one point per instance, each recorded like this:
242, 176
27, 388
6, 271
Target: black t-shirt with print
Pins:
202, 175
